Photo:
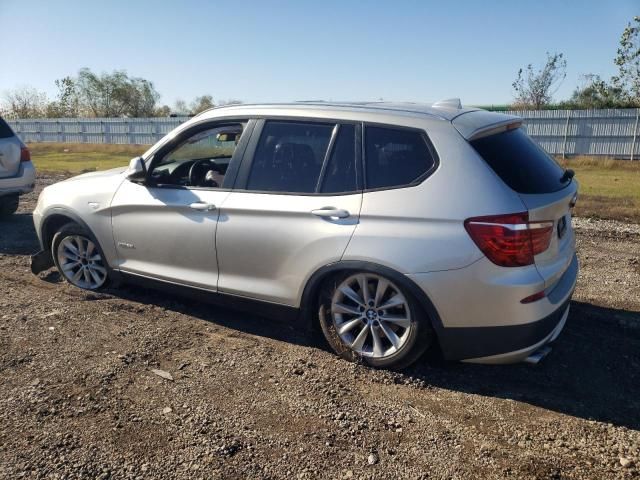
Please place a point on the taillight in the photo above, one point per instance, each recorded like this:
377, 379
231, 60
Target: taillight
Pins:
509, 240
25, 154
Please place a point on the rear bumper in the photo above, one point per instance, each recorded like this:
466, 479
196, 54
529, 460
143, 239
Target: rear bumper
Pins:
23, 182
495, 327
520, 340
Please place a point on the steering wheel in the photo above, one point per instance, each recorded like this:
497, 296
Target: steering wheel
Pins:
196, 176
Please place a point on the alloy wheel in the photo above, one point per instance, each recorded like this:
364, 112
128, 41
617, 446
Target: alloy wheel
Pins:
371, 315
81, 263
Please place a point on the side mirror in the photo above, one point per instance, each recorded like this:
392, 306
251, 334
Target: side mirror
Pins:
137, 170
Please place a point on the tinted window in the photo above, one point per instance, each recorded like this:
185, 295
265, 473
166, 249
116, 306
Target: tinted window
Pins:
340, 173
395, 157
5, 130
289, 157
520, 163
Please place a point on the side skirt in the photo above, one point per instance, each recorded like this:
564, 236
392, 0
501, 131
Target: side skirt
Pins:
249, 305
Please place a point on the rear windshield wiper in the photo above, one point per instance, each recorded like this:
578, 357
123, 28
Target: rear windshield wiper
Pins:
567, 175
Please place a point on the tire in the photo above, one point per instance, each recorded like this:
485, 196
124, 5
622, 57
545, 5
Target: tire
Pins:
79, 258
9, 205
350, 323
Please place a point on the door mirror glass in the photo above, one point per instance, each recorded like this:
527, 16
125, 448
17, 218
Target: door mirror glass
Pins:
137, 169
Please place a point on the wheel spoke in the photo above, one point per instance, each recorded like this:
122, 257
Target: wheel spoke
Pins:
90, 248
348, 291
364, 288
71, 247
96, 278
395, 301
390, 334
377, 343
399, 320
85, 274
76, 277
99, 268
81, 247
380, 290
358, 343
342, 308
348, 326
68, 267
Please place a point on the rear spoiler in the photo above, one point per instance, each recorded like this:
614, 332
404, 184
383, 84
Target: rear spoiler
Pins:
480, 123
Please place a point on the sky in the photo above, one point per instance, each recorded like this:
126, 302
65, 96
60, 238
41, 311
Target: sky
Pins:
272, 51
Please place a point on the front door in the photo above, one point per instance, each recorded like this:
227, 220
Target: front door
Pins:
165, 228
294, 209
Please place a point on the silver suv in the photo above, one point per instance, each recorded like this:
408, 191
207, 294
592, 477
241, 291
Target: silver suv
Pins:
391, 227
17, 175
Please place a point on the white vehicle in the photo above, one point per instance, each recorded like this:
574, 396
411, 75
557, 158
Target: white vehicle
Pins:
17, 174
389, 226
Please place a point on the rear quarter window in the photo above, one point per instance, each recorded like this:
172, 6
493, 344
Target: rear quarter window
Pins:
520, 162
396, 157
5, 130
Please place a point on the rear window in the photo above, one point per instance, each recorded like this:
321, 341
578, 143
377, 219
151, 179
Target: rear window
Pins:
5, 130
520, 163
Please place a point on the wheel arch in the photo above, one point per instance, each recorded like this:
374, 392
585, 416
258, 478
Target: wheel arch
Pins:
309, 300
55, 218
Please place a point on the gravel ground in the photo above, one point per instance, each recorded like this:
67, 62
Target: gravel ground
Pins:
137, 384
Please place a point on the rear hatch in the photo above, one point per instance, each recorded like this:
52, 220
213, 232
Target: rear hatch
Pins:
9, 151
546, 191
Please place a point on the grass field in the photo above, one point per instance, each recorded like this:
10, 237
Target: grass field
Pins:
608, 188
82, 157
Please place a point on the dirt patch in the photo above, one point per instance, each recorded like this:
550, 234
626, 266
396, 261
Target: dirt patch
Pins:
257, 398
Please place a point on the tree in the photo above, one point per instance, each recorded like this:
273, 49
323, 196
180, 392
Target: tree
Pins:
25, 102
180, 108
597, 93
200, 104
535, 88
163, 111
628, 62
67, 103
115, 94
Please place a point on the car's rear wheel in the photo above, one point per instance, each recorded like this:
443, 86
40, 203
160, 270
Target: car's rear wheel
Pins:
9, 205
370, 318
79, 258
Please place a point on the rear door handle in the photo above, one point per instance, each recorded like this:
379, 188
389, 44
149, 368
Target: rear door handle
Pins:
330, 212
202, 206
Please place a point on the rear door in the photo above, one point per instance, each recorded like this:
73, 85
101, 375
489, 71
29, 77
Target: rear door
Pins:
545, 190
9, 151
293, 210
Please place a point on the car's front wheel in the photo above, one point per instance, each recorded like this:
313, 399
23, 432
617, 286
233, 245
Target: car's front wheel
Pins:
79, 258
370, 318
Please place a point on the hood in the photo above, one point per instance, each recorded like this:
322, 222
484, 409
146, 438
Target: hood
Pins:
101, 174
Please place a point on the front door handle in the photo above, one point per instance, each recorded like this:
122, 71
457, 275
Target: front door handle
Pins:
202, 206
330, 212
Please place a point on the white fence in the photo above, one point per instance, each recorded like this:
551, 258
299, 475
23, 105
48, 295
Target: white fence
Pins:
611, 133
138, 131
